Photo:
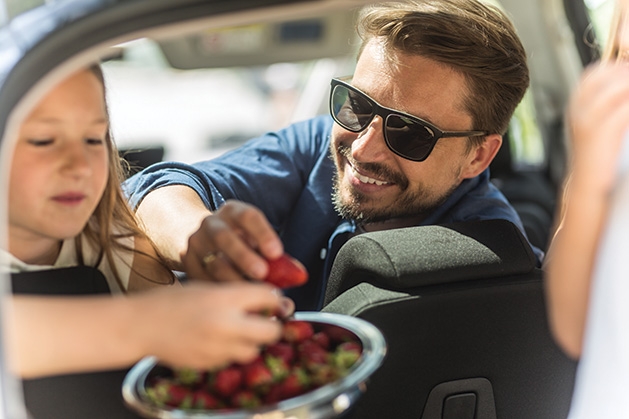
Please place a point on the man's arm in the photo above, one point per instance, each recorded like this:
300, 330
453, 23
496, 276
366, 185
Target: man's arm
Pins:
185, 231
170, 215
268, 176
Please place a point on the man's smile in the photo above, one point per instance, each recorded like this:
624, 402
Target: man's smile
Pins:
365, 178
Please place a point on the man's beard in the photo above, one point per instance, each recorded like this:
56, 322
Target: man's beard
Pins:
363, 209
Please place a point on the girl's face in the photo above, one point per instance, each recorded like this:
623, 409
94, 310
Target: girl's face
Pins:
59, 169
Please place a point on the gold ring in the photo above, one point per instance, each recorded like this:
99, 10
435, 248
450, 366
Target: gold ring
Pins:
209, 258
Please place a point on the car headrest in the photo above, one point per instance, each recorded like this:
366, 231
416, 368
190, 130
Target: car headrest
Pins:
400, 259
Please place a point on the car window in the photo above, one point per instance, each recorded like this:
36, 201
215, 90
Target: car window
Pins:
600, 13
200, 113
15, 7
525, 137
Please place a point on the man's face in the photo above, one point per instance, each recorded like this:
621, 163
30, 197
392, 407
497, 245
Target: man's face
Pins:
374, 184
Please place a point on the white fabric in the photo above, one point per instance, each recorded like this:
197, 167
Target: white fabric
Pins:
602, 383
67, 258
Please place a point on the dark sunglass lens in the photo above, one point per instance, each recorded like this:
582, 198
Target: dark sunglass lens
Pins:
408, 138
352, 110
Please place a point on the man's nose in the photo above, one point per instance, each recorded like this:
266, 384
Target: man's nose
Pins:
370, 146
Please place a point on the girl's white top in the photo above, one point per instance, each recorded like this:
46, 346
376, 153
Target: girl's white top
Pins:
602, 382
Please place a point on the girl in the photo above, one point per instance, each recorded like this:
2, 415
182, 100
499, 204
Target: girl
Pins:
64, 184
65, 209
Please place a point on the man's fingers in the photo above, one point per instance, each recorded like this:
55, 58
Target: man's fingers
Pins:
233, 243
245, 237
255, 226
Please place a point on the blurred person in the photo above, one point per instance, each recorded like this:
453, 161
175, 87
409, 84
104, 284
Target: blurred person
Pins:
586, 281
409, 141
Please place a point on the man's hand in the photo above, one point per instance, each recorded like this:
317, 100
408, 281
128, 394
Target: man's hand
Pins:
232, 244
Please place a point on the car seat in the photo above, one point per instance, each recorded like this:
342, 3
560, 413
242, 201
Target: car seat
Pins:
139, 159
530, 192
462, 309
95, 395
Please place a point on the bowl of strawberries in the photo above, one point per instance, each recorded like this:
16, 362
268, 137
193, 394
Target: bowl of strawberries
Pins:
318, 369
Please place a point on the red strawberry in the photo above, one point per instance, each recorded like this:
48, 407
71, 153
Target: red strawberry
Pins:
321, 339
312, 355
281, 350
351, 346
279, 367
245, 399
274, 394
257, 376
189, 376
322, 374
165, 392
201, 399
346, 354
338, 334
226, 381
297, 331
286, 272
296, 383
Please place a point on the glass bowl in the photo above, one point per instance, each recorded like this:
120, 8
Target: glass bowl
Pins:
328, 401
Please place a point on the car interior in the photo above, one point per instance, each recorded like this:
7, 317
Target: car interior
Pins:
461, 306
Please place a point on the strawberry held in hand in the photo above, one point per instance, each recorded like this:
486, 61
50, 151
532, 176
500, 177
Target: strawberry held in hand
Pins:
286, 272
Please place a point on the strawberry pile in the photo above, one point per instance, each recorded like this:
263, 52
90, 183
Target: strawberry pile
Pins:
308, 356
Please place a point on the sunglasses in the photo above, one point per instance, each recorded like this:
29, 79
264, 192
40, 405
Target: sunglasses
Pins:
406, 135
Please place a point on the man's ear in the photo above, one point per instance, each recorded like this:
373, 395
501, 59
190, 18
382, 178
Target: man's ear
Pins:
480, 157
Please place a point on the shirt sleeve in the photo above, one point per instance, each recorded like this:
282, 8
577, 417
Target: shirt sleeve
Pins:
269, 172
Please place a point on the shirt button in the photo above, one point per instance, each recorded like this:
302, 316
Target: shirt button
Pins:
323, 253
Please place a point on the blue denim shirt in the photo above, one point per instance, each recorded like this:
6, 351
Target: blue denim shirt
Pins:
289, 175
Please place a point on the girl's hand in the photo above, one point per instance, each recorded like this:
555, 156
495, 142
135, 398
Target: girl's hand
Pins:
598, 119
205, 325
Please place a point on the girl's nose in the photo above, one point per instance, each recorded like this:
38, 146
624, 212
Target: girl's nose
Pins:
76, 160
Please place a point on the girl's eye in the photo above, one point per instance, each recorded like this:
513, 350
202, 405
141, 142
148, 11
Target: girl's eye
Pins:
40, 142
94, 141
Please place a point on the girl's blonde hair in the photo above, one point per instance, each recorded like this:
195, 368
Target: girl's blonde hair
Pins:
113, 220
612, 49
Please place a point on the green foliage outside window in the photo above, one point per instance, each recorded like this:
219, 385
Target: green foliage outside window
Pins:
15, 7
527, 144
600, 15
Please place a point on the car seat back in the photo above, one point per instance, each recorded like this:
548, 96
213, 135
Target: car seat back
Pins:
427, 255
94, 395
467, 335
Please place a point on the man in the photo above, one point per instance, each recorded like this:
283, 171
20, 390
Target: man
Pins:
411, 137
